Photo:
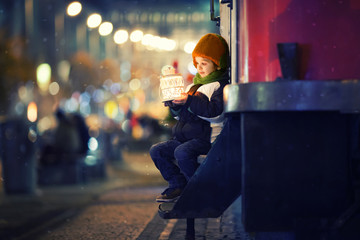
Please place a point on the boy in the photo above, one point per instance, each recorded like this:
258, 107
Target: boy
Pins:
203, 101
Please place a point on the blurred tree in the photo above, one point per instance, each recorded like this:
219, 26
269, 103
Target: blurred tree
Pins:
83, 72
109, 69
15, 68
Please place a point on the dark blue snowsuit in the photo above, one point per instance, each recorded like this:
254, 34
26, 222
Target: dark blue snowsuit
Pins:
177, 158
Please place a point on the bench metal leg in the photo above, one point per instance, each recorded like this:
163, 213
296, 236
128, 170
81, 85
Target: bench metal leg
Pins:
190, 229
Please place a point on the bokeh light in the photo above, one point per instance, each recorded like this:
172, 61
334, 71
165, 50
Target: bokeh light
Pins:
121, 36
125, 65
93, 144
111, 109
90, 160
32, 112
32, 135
126, 126
137, 132
54, 88
94, 20
63, 70
147, 39
134, 84
107, 84
105, 28
85, 97
125, 75
44, 124
98, 95
43, 74
85, 109
191, 68
160, 43
135, 104
136, 36
19, 108
74, 9
115, 88
23, 93
189, 47
71, 105
167, 44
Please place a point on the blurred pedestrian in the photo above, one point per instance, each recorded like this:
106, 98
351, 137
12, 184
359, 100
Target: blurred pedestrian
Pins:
176, 158
83, 132
69, 137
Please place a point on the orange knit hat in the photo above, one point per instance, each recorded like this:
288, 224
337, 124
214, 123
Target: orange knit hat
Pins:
214, 47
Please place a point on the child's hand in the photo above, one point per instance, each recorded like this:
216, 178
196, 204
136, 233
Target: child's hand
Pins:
181, 100
169, 104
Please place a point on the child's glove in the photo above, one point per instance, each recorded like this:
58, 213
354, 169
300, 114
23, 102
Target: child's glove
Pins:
169, 104
181, 100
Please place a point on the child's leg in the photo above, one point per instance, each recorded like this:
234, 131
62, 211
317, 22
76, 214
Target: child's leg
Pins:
162, 155
186, 155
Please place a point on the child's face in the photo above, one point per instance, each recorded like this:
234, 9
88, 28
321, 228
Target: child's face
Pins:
204, 66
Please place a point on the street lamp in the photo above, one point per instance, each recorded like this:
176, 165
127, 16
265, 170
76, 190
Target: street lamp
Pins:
43, 75
74, 9
94, 20
147, 39
167, 44
189, 47
105, 28
136, 36
121, 36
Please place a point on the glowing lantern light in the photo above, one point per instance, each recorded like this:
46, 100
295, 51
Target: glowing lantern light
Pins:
171, 84
43, 75
32, 112
111, 109
74, 9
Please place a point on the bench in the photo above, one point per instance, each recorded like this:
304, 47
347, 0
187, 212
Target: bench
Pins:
215, 131
216, 177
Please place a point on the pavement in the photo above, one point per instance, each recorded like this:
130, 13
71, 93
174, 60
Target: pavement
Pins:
121, 206
23, 215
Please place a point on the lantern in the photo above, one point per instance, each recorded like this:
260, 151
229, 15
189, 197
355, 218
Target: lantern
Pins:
171, 84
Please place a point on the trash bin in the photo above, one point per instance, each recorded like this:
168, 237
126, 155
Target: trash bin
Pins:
18, 156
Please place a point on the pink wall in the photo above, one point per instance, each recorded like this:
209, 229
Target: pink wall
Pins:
327, 31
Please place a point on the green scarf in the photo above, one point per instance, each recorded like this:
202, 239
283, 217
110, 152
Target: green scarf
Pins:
212, 77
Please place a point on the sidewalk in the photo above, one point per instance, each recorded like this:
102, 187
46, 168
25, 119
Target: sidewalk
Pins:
22, 215
120, 207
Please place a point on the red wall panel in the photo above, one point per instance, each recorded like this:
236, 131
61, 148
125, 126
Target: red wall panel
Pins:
327, 32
